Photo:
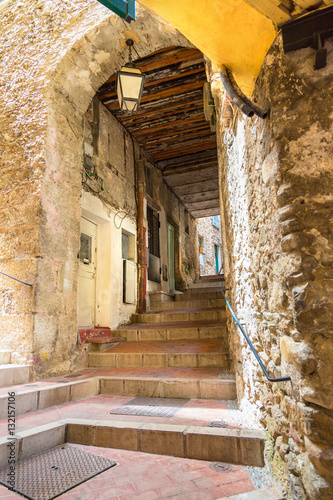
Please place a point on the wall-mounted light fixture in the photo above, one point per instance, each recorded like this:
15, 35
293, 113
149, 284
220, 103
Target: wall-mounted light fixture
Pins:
130, 82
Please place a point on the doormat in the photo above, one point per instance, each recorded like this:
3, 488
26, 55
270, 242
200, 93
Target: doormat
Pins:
53, 472
151, 407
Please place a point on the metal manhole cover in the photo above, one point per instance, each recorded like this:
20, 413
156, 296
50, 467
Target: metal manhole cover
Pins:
218, 423
151, 407
53, 472
221, 467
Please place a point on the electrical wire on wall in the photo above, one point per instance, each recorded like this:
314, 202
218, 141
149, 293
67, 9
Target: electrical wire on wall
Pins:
85, 178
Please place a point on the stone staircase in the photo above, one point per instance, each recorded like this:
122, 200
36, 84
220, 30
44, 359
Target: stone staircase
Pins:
178, 349
184, 334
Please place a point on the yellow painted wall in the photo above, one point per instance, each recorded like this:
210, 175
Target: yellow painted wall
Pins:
229, 32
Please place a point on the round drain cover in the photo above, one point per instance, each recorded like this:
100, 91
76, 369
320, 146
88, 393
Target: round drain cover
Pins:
218, 423
221, 467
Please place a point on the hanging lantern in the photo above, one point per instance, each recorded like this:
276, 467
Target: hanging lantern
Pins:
130, 82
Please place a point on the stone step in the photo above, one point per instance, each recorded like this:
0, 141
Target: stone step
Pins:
181, 315
207, 284
197, 294
188, 304
204, 291
234, 446
194, 383
14, 374
176, 331
199, 383
162, 354
210, 278
96, 427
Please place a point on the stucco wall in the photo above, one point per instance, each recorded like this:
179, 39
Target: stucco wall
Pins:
276, 190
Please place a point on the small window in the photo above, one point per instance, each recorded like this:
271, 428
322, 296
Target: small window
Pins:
149, 180
124, 245
85, 253
127, 245
216, 220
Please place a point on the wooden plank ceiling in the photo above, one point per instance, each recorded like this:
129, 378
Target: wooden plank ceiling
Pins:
170, 125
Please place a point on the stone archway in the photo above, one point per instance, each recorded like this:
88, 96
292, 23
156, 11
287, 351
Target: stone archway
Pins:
84, 68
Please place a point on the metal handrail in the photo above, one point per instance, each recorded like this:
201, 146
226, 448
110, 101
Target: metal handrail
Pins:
20, 281
280, 379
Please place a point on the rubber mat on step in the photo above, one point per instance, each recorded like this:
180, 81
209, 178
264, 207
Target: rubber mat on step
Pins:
151, 407
53, 472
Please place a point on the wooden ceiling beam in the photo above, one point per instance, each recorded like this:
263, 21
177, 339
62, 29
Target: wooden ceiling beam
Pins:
188, 159
204, 203
145, 111
179, 170
202, 195
172, 131
195, 187
198, 214
202, 132
170, 92
160, 114
177, 122
176, 152
185, 181
182, 143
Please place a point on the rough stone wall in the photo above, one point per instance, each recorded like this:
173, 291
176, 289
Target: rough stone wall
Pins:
54, 56
276, 204
212, 237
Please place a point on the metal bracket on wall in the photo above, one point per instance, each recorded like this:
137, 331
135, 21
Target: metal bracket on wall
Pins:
123, 8
310, 31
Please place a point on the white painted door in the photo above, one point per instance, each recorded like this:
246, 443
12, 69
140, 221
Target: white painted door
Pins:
87, 274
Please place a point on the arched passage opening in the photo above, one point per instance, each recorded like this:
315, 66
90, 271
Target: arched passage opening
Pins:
82, 71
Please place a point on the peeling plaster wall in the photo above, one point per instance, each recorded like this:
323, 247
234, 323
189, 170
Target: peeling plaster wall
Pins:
54, 56
276, 205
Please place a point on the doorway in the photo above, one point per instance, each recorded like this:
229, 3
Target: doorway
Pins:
154, 261
87, 274
171, 255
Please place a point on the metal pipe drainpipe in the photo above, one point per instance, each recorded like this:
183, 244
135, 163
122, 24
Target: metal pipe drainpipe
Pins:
142, 258
238, 98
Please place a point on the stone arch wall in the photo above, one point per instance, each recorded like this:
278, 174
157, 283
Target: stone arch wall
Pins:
57, 56
276, 183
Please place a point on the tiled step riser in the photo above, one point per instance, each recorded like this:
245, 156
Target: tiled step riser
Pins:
179, 317
187, 304
153, 360
177, 334
193, 389
201, 443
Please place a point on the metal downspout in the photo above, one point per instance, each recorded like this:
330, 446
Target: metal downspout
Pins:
142, 260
